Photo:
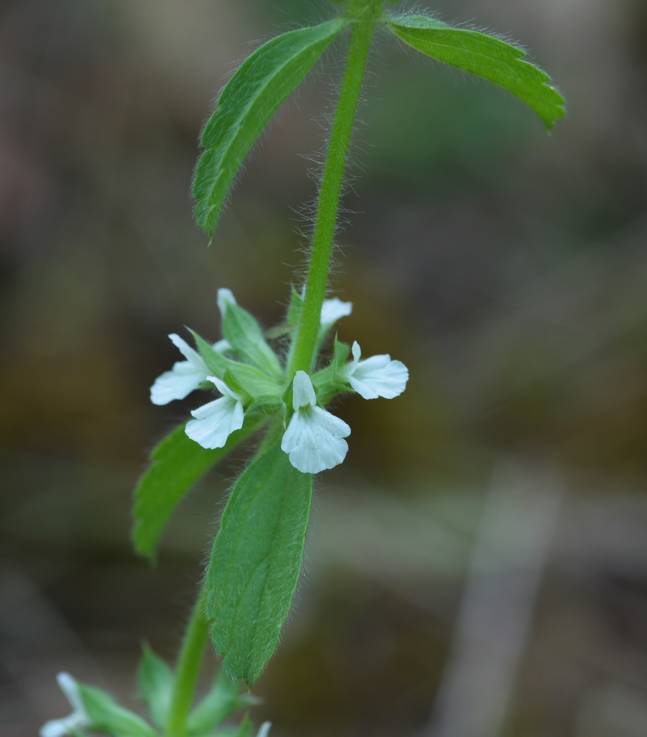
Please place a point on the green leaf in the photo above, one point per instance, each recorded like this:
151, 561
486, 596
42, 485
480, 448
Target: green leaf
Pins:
259, 386
155, 685
177, 464
246, 337
291, 319
245, 106
106, 715
216, 362
241, 377
498, 61
295, 308
221, 702
255, 562
328, 382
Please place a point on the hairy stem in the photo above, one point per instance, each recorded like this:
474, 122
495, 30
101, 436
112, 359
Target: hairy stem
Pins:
325, 225
363, 14
189, 662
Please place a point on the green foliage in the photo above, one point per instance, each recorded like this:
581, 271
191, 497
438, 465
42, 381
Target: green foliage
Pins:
222, 701
177, 464
328, 382
216, 362
248, 381
105, 715
255, 562
295, 308
244, 334
245, 106
257, 554
155, 684
246, 729
498, 61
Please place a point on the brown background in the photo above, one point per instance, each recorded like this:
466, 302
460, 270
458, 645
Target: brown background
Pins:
508, 269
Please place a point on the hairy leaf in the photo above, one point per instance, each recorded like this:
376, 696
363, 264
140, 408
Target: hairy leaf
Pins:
498, 61
177, 464
245, 106
255, 562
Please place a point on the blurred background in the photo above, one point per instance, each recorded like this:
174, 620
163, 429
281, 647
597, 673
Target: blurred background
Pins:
478, 567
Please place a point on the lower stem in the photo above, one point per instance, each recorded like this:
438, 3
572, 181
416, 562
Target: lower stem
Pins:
188, 667
329, 195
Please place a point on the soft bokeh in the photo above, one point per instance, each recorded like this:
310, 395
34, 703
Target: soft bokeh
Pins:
478, 567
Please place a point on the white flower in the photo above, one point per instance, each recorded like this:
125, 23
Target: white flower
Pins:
183, 378
314, 439
222, 346
225, 297
264, 730
77, 720
333, 310
215, 421
377, 376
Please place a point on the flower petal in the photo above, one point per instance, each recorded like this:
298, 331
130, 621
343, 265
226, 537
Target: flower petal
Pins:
177, 383
303, 393
214, 422
333, 310
221, 346
357, 352
379, 376
70, 688
264, 729
63, 727
314, 440
183, 378
191, 355
223, 388
225, 297
77, 720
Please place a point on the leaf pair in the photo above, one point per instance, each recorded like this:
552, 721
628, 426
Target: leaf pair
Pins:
275, 70
256, 558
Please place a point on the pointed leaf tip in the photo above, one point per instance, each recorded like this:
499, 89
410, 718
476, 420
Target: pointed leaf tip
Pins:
245, 106
490, 57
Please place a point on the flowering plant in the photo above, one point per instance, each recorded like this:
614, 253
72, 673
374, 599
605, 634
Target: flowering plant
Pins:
275, 384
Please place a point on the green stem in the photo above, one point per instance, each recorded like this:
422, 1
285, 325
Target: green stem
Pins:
189, 662
363, 14
330, 192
